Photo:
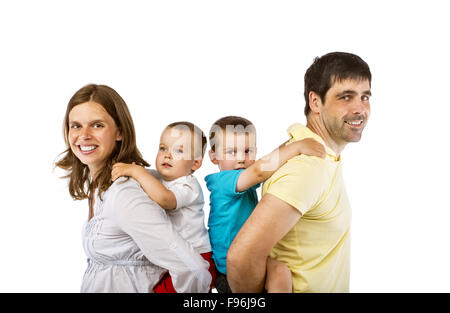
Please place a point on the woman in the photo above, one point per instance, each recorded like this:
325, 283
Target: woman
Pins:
129, 241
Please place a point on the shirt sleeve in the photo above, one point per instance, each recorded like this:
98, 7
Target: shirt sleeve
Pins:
301, 183
186, 193
228, 182
148, 225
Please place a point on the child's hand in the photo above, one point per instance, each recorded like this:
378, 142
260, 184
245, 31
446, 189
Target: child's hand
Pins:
311, 147
123, 169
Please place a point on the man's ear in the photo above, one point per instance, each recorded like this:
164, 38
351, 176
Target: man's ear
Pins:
197, 164
212, 157
314, 102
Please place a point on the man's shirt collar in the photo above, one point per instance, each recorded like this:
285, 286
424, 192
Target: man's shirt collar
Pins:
298, 132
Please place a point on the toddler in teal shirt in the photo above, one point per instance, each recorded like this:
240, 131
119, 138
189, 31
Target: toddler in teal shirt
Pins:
233, 190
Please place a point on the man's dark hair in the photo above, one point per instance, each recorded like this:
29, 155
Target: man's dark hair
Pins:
330, 68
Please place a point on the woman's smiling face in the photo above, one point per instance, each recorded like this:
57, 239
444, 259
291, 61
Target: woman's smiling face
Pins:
92, 135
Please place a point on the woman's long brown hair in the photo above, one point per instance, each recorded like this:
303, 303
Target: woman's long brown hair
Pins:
80, 186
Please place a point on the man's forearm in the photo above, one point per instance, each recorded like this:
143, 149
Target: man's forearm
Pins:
247, 256
245, 273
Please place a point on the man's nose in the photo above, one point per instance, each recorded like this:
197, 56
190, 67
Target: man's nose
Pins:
359, 107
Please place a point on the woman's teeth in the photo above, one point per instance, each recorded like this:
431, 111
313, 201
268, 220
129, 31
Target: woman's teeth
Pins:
87, 148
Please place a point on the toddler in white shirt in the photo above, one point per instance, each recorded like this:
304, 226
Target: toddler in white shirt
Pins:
175, 189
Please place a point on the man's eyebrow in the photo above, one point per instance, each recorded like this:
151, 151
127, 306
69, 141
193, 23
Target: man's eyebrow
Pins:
352, 92
346, 92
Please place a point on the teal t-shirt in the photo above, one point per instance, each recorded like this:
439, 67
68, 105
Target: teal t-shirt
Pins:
228, 212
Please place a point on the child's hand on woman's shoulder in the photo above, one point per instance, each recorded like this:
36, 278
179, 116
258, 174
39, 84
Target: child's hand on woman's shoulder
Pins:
123, 169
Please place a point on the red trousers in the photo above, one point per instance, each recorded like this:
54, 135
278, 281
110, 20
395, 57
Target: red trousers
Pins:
166, 285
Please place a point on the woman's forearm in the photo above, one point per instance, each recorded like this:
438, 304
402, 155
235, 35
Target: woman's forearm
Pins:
151, 230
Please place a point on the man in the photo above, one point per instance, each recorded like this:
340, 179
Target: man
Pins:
303, 218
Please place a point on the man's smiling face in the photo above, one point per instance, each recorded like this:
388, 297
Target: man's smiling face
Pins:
346, 110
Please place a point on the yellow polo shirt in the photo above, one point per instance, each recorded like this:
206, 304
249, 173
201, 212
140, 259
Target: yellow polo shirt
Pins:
317, 248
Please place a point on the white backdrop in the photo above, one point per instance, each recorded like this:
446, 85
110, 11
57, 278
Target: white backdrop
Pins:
201, 60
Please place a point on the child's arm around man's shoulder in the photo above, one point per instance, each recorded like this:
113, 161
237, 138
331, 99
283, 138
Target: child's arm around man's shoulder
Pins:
264, 167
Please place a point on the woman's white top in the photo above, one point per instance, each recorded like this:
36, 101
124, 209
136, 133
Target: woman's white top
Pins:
130, 243
188, 217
